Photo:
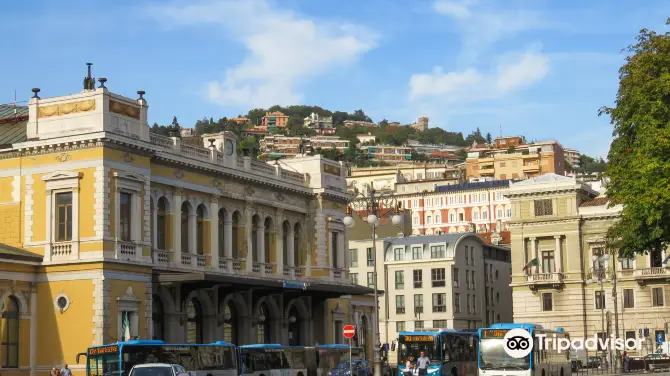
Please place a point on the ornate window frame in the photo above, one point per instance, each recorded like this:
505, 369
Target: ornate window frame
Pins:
131, 304
127, 182
61, 182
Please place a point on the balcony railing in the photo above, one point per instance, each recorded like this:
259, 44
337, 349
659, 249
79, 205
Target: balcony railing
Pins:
647, 274
215, 157
552, 279
61, 250
202, 260
127, 249
161, 257
268, 268
337, 273
256, 267
288, 271
186, 259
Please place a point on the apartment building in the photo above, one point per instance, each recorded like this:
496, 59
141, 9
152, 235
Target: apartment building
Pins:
479, 207
561, 222
284, 146
385, 178
572, 157
388, 153
366, 138
446, 281
321, 124
512, 158
274, 120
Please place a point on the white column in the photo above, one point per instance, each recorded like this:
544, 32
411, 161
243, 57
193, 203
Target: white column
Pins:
214, 232
76, 223
290, 252
279, 248
248, 216
534, 249
33, 329
192, 233
51, 219
559, 255
175, 208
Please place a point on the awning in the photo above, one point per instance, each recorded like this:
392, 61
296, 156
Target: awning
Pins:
243, 282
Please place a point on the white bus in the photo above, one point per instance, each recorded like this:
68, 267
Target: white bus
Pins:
548, 361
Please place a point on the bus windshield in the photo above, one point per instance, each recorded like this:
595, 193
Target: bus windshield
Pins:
493, 356
411, 345
103, 365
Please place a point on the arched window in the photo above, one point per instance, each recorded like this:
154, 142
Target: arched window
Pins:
222, 233
286, 228
297, 255
184, 227
236, 228
200, 230
267, 241
10, 333
263, 325
157, 317
255, 253
194, 323
230, 325
161, 224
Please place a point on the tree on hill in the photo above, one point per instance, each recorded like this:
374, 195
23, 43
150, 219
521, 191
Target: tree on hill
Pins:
475, 136
638, 163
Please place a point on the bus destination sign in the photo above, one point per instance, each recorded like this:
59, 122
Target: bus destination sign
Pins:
493, 333
103, 350
419, 338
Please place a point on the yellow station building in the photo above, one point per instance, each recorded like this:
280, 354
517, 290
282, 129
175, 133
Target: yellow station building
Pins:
101, 219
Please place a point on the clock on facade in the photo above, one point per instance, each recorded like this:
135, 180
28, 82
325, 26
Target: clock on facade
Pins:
229, 147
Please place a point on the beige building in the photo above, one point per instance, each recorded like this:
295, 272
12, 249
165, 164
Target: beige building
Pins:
447, 281
386, 178
512, 158
572, 157
388, 153
284, 146
562, 222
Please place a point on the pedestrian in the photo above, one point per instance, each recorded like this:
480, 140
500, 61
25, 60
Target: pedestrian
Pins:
65, 371
626, 362
422, 363
408, 366
54, 372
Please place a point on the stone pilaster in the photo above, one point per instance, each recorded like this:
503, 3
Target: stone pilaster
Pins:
101, 307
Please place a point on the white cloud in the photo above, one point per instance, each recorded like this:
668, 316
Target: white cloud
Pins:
471, 85
284, 49
452, 8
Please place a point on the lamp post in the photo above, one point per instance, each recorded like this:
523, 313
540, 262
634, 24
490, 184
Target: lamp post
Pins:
599, 272
375, 208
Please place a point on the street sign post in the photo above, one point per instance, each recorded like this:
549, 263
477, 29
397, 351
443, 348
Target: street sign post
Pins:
349, 331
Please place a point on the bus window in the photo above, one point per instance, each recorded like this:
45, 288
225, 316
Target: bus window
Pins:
104, 365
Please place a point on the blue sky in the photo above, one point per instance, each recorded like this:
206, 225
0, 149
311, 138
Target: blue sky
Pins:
538, 68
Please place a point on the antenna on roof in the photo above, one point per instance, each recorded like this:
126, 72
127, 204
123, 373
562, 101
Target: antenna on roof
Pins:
14, 103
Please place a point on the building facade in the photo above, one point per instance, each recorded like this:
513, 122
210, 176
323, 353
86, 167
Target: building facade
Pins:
285, 146
387, 177
388, 153
359, 123
104, 220
321, 124
448, 281
274, 120
511, 158
572, 157
562, 223
421, 124
447, 209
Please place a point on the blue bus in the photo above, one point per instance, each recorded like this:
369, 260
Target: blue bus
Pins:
542, 360
451, 352
214, 359
279, 360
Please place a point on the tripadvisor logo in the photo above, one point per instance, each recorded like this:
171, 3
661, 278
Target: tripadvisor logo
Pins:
518, 343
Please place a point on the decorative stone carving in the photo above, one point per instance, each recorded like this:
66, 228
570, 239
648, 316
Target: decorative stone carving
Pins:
179, 191
279, 197
124, 109
128, 158
66, 108
250, 190
217, 183
63, 157
179, 174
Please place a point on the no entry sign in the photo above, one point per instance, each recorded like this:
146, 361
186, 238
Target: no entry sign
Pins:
349, 331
